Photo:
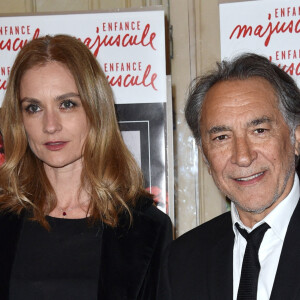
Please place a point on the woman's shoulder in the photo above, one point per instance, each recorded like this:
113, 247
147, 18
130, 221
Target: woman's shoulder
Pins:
10, 225
145, 207
7, 216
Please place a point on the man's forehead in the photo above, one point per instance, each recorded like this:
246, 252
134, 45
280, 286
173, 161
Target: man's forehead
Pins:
251, 101
235, 93
231, 85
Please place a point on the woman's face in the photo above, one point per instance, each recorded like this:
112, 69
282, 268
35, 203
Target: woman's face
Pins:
54, 119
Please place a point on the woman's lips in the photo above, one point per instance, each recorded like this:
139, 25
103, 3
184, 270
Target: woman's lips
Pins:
250, 179
55, 146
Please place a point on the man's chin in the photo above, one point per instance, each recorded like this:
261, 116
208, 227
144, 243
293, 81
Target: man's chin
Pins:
253, 209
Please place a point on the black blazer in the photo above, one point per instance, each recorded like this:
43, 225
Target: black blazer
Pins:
130, 257
198, 265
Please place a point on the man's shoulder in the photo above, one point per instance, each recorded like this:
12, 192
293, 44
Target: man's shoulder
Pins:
189, 259
204, 235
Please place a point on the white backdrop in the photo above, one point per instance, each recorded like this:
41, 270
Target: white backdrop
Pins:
270, 28
130, 47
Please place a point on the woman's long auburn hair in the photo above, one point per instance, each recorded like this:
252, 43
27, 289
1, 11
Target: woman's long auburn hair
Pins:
110, 174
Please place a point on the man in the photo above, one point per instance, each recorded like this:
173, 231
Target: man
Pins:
245, 118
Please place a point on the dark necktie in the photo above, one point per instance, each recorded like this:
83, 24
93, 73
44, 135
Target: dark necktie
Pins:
251, 267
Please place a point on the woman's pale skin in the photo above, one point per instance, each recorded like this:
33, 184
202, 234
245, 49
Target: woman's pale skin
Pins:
57, 126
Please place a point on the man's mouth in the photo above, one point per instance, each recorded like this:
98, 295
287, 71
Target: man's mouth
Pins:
249, 178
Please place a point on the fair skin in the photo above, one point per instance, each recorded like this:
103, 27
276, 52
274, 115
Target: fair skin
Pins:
247, 146
56, 126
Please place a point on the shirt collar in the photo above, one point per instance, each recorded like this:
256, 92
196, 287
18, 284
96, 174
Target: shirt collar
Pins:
278, 219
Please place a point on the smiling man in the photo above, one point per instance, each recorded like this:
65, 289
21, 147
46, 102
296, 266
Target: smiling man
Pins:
245, 117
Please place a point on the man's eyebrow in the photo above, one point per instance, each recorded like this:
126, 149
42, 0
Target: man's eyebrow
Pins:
219, 128
255, 122
259, 121
66, 96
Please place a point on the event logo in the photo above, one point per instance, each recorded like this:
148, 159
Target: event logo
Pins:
15, 44
266, 32
274, 33
108, 34
145, 40
129, 34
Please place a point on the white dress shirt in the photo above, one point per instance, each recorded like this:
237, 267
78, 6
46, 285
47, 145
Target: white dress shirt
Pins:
269, 252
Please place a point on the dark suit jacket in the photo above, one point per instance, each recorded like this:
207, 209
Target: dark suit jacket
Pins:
130, 257
198, 265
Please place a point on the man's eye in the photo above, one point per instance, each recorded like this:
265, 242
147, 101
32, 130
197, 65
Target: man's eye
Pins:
220, 137
67, 104
260, 130
32, 108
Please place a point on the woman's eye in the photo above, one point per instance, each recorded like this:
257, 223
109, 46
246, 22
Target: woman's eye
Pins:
67, 104
32, 108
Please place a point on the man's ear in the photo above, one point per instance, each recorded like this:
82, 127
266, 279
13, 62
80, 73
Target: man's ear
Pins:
297, 140
208, 169
204, 159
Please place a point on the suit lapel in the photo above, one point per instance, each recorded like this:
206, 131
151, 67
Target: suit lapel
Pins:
125, 256
10, 227
221, 277
287, 279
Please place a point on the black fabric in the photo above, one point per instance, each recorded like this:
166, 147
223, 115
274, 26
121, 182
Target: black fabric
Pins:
59, 264
251, 266
130, 255
10, 226
199, 264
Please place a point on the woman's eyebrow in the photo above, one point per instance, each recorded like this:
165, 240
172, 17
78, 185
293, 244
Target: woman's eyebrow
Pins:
67, 95
31, 100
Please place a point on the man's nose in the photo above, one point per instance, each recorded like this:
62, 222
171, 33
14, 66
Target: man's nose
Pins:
243, 153
51, 122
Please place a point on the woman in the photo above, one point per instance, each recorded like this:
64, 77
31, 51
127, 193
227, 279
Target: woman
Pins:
76, 222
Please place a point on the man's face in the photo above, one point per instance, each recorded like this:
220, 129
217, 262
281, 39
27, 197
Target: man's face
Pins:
247, 145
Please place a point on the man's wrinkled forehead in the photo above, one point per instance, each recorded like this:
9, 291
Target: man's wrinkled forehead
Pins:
227, 99
271, 91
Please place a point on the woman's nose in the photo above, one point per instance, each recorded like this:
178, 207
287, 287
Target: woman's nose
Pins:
51, 122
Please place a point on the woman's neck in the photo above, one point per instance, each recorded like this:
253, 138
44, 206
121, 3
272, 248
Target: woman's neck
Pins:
72, 198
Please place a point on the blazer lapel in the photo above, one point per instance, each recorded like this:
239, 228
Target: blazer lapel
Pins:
286, 284
125, 256
10, 227
221, 277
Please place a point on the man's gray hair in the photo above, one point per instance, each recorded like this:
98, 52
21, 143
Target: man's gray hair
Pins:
244, 67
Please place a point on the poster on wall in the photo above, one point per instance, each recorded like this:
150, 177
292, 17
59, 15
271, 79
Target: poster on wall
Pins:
269, 28
130, 47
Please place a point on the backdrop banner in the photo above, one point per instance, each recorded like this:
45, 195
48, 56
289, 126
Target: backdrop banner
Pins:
269, 28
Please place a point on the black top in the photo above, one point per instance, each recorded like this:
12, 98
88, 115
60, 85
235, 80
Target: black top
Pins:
62, 263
